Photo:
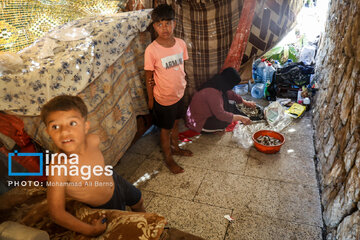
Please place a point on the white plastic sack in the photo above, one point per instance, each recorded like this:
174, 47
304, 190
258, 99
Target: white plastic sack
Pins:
307, 54
70, 33
276, 117
242, 134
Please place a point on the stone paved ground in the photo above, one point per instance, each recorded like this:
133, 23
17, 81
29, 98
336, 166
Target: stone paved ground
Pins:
269, 196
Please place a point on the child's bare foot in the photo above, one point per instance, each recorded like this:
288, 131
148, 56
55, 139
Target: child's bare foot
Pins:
173, 166
181, 152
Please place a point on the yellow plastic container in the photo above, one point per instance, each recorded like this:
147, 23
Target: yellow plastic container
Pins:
296, 110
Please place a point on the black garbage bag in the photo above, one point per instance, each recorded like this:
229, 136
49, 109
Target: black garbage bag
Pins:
294, 74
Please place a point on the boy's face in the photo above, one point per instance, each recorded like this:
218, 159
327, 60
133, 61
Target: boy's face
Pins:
68, 130
165, 28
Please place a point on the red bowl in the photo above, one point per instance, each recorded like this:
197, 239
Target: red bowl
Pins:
268, 149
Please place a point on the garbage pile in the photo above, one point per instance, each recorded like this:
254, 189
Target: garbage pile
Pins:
285, 77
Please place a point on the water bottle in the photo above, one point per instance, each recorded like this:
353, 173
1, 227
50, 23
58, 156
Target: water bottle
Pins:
276, 64
241, 89
258, 71
265, 73
288, 62
257, 90
268, 73
254, 69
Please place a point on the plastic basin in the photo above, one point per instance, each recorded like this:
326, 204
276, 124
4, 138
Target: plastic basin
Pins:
268, 149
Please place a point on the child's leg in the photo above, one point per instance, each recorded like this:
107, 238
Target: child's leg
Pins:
165, 145
139, 206
175, 150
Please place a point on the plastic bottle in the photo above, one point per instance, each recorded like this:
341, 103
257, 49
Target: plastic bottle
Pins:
257, 90
288, 62
268, 73
299, 97
254, 69
258, 71
241, 89
276, 64
265, 73
306, 102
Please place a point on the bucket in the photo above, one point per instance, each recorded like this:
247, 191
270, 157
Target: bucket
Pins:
264, 148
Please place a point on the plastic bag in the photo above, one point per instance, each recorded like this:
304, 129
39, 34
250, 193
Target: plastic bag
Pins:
293, 74
70, 33
276, 117
307, 54
242, 134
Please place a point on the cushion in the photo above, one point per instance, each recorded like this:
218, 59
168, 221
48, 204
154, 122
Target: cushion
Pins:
28, 206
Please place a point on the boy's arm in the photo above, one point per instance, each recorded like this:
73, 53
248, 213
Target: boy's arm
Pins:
149, 79
56, 204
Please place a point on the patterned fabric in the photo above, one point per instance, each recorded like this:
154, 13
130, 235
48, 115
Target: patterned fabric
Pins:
209, 28
240, 40
271, 21
28, 206
68, 59
114, 90
114, 100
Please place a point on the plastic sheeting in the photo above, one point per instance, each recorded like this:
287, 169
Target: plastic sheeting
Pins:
72, 62
276, 120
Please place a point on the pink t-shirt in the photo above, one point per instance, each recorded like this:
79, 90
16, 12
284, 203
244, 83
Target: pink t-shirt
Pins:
168, 67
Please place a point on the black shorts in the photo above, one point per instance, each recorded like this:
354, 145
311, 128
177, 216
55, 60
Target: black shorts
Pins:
165, 116
125, 194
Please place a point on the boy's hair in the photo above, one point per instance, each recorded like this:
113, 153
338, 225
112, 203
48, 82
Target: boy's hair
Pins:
63, 103
163, 12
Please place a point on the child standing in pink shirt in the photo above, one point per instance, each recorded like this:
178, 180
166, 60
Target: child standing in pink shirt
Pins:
165, 82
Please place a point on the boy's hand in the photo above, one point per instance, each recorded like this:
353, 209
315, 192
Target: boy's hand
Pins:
99, 226
151, 82
151, 103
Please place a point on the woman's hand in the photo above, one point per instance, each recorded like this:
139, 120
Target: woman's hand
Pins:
250, 104
243, 119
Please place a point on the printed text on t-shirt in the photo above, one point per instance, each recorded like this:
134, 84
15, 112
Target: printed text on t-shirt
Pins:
172, 61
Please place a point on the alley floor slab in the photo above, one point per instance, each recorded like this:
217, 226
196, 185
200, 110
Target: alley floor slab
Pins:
254, 227
270, 196
199, 219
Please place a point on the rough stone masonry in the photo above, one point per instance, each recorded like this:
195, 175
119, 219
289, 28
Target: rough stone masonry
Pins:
337, 120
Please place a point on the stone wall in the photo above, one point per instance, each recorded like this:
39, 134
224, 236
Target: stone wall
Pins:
337, 120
